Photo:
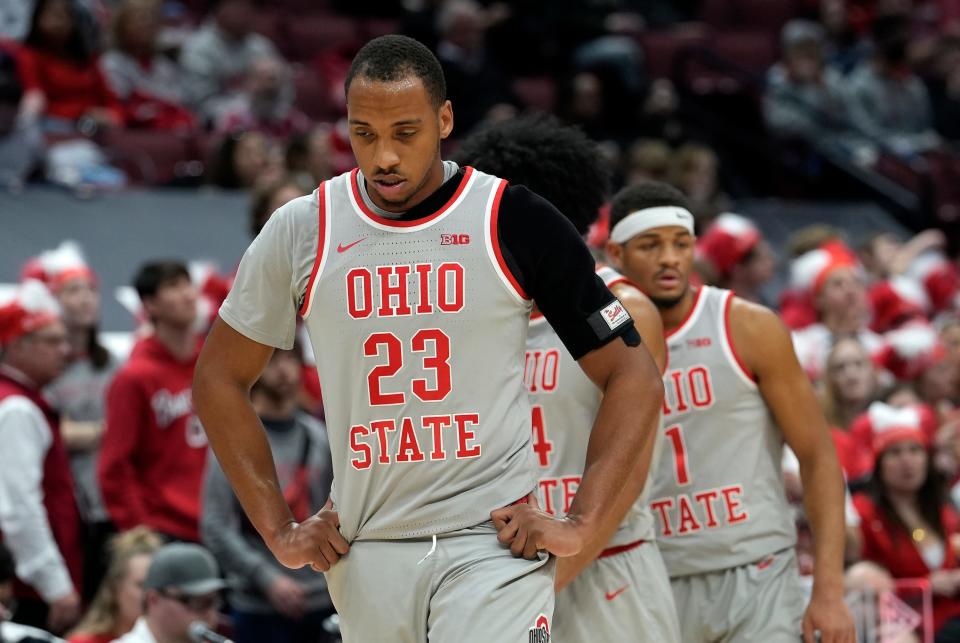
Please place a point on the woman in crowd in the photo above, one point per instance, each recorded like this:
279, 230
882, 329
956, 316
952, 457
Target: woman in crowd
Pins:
149, 85
243, 159
119, 601
78, 394
60, 72
907, 523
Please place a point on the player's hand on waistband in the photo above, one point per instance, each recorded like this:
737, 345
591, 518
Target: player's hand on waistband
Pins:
316, 541
828, 620
528, 529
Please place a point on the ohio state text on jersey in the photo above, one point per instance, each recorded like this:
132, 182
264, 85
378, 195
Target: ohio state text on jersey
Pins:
718, 495
418, 330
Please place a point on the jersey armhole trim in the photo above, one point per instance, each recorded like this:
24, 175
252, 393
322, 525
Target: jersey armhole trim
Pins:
322, 237
493, 245
730, 349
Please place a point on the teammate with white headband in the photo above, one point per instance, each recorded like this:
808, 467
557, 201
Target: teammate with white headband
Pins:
734, 393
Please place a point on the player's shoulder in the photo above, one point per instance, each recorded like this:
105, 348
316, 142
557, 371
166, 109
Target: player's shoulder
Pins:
752, 318
633, 298
303, 210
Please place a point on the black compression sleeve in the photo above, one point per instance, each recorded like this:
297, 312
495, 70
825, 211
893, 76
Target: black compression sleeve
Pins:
553, 265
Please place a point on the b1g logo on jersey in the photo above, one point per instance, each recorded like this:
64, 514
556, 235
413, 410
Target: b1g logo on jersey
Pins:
447, 239
540, 632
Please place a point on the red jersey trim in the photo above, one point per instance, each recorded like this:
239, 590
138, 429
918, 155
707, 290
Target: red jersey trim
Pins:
728, 337
321, 238
391, 223
687, 317
619, 549
495, 242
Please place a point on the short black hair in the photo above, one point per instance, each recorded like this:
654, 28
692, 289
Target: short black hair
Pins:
154, 274
391, 58
649, 194
556, 161
7, 568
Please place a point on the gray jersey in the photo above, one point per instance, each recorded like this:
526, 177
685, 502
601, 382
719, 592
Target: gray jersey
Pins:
419, 336
718, 494
565, 404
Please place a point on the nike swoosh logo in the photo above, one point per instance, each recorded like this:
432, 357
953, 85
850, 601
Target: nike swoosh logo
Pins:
612, 595
344, 248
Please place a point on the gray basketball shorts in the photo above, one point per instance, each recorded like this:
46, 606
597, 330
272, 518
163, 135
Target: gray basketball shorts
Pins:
623, 597
762, 601
468, 589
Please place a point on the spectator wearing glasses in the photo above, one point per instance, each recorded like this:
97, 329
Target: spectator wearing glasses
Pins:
182, 586
39, 519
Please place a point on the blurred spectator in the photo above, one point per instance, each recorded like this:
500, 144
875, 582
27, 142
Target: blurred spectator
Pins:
804, 98
844, 46
908, 525
39, 520
647, 160
885, 255
60, 71
21, 139
850, 383
218, 57
119, 601
950, 336
737, 255
476, 86
182, 587
265, 103
944, 88
694, 172
886, 99
834, 285
149, 84
78, 394
14, 632
308, 156
154, 449
244, 158
271, 602
914, 354
268, 197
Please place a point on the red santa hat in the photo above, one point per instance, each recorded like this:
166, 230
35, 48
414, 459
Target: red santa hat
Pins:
908, 351
58, 266
883, 425
31, 308
727, 241
809, 271
896, 301
940, 279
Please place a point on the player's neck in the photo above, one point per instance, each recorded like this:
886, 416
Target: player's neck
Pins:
674, 316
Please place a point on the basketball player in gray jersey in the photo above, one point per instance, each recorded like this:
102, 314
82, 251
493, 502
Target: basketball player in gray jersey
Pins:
616, 588
415, 279
735, 392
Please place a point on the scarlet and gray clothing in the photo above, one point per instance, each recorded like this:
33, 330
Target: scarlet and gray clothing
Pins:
302, 457
154, 449
622, 597
79, 394
718, 493
565, 405
39, 521
427, 415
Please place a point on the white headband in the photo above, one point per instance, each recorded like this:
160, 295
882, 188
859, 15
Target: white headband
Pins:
649, 218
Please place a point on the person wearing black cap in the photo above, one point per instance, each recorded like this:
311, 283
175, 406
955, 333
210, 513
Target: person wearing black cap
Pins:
183, 586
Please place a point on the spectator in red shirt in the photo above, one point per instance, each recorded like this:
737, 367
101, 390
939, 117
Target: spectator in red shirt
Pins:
908, 525
119, 601
59, 69
154, 448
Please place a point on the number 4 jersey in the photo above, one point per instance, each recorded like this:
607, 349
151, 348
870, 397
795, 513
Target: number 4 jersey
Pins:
418, 327
718, 494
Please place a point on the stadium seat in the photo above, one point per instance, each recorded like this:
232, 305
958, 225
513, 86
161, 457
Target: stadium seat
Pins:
311, 35
151, 157
312, 97
766, 15
660, 48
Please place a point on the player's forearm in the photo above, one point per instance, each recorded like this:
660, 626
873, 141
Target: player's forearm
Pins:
239, 441
620, 442
824, 499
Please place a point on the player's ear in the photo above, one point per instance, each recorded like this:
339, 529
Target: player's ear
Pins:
615, 254
445, 116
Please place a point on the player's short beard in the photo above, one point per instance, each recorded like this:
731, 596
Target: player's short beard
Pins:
666, 303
